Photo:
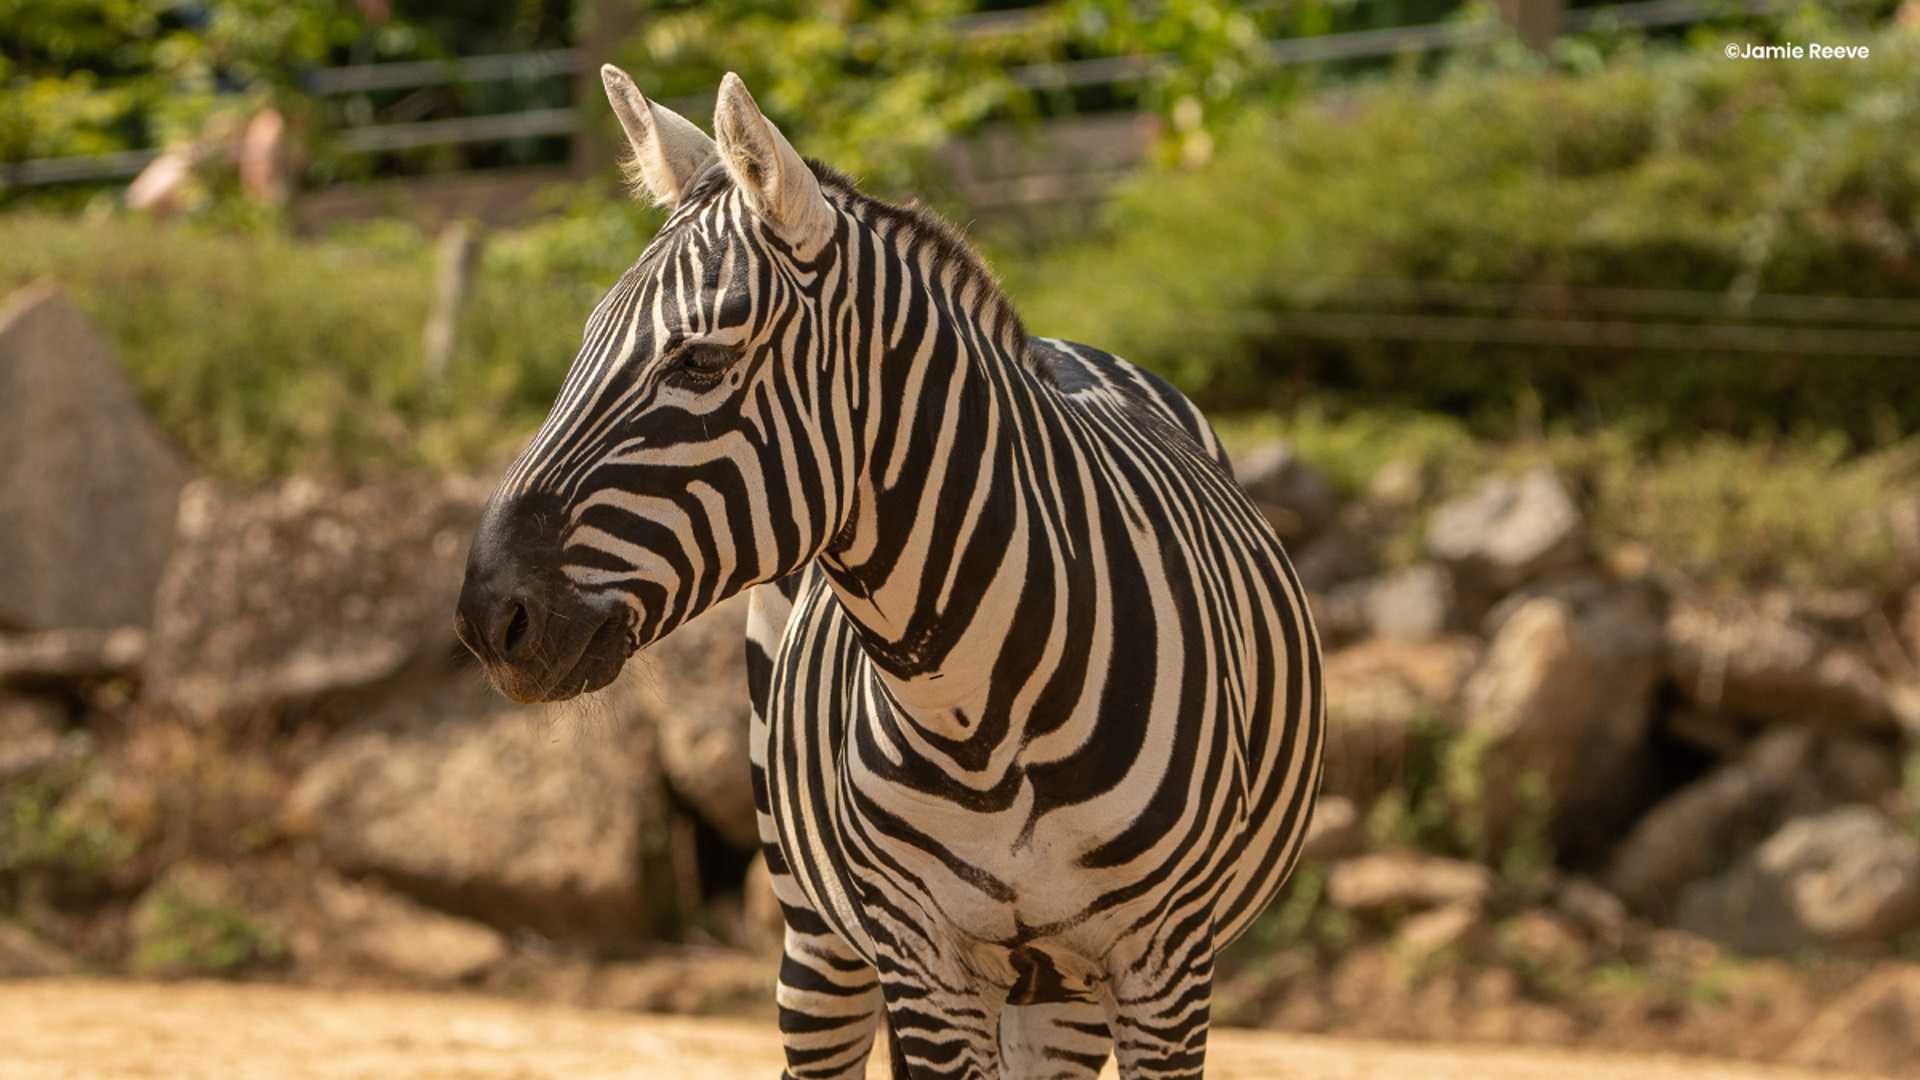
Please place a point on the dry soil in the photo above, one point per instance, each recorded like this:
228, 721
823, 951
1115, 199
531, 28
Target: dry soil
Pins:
107, 1030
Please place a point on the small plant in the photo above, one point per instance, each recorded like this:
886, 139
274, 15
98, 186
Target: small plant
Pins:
180, 935
49, 825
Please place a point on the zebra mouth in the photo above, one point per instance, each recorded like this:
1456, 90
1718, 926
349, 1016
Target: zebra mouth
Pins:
593, 660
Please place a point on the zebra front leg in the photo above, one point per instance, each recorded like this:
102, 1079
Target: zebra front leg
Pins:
1063, 1041
940, 1028
1158, 1013
829, 1002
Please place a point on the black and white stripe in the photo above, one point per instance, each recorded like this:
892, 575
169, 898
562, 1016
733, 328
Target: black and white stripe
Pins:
1037, 695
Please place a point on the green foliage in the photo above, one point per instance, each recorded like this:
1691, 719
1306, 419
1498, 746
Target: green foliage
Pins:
1458, 796
100, 75
262, 355
875, 88
53, 833
1802, 510
183, 935
1644, 169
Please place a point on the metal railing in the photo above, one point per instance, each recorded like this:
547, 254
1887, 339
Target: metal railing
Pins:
1604, 318
366, 78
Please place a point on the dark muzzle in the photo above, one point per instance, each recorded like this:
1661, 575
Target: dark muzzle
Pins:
538, 635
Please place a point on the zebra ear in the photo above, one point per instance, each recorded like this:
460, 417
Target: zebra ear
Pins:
778, 185
667, 148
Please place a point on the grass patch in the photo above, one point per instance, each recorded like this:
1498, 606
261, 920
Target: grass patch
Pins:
1797, 510
1652, 168
181, 935
50, 824
262, 355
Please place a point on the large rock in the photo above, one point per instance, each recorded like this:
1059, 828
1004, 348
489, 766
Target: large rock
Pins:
1843, 876
1566, 691
1872, 1030
1407, 880
56, 659
390, 932
30, 733
1414, 603
695, 684
1693, 831
88, 487
307, 589
1375, 691
550, 818
1295, 498
24, 956
1508, 532
1334, 831
1768, 661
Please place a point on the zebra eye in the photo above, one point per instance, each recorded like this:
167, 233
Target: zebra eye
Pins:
703, 364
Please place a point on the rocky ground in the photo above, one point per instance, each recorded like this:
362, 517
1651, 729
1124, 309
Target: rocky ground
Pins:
1571, 796
213, 1031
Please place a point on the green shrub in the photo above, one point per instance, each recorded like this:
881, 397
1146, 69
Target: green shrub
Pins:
261, 355
45, 829
181, 935
1653, 170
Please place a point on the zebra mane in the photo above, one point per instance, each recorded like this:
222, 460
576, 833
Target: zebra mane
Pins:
913, 223
906, 226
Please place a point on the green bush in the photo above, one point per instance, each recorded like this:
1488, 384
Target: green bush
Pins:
261, 355
1654, 169
1804, 510
182, 935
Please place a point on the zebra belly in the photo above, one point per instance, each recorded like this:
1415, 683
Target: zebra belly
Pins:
1026, 932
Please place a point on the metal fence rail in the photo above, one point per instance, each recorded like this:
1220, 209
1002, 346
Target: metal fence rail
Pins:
1589, 317
1586, 333
461, 129
368, 77
365, 78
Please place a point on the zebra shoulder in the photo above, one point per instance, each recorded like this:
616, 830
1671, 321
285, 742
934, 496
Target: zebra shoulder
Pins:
1149, 399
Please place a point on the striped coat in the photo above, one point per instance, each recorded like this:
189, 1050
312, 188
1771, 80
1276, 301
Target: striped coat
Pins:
1037, 695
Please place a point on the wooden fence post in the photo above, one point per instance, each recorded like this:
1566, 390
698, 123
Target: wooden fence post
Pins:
1536, 21
455, 258
603, 25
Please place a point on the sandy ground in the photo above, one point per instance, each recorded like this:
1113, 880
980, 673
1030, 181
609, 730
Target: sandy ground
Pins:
107, 1030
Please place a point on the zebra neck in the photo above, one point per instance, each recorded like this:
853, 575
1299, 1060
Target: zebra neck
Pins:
932, 566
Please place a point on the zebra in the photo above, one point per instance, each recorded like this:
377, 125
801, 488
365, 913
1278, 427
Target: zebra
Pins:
1037, 706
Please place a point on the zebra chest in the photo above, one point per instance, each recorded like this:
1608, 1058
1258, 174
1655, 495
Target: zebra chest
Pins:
986, 876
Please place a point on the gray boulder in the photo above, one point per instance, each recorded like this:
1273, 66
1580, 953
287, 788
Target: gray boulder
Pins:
386, 930
30, 732
24, 956
1508, 532
550, 818
1693, 831
1416, 602
1295, 498
1566, 691
56, 658
695, 685
88, 490
1375, 691
1846, 875
1768, 661
307, 589
1407, 880
1872, 1029
1334, 832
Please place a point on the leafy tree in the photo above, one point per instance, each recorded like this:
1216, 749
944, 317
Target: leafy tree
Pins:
877, 87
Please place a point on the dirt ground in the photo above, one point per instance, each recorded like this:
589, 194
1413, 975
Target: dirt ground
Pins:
108, 1030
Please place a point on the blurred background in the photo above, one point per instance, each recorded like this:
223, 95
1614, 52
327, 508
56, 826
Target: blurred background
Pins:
1574, 359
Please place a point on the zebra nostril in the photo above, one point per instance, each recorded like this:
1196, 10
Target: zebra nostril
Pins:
517, 623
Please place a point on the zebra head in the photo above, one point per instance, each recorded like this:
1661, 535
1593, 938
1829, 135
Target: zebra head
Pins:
684, 459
